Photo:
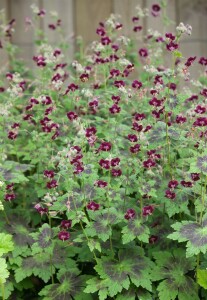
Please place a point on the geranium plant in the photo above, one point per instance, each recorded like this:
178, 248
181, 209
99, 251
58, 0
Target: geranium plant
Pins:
104, 167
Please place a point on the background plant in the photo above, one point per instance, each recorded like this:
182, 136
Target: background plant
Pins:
103, 169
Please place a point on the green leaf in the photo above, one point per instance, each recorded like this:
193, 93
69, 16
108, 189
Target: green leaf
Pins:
70, 286
6, 244
135, 229
177, 54
40, 264
8, 289
21, 237
132, 264
172, 268
4, 273
96, 285
43, 240
101, 225
195, 234
202, 278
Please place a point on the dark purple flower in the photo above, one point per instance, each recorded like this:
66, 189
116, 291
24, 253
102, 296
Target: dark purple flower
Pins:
115, 161
100, 31
71, 88
147, 210
105, 146
143, 52
12, 135
172, 86
90, 131
72, 115
63, 235
132, 138
180, 119
9, 197
155, 10
116, 99
189, 61
186, 183
105, 40
147, 128
116, 172
136, 84
172, 46
105, 163
137, 28
93, 206
66, 224
41, 12
191, 98
158, 79
149, 163
135, 148
100, 183
119, 83
173, 184
52, 184
52, 26
47, 100
200, 122
139, 117
170, 36
78, 169
153, 239
114, 109
130, 214
40, 209
155, 102
135, 19
84, 77
204, 92
10, 187
114, 73
195, 176
203, 61
170, 195
49, 173
200, 109
137, 127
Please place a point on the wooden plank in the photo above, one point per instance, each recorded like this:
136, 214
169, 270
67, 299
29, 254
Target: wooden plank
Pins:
64, 9
88, 14
157, 23
193, 13
3, 55
23, 38
126, 9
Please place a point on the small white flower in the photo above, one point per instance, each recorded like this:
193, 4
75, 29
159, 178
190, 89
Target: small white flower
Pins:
1, 183
142, 12
187, 29
124, 62
124, 40
34, 8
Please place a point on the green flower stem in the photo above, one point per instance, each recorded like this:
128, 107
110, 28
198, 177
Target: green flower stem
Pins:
197, 268
84, 232
203, 192
3, 291
125, 190
51, 264
6, 217
81, 224
168, 144
141, 208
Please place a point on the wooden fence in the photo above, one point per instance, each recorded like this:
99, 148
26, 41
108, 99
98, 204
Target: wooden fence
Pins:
81, 17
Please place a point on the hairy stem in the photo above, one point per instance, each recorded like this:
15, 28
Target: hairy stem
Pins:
3, 291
